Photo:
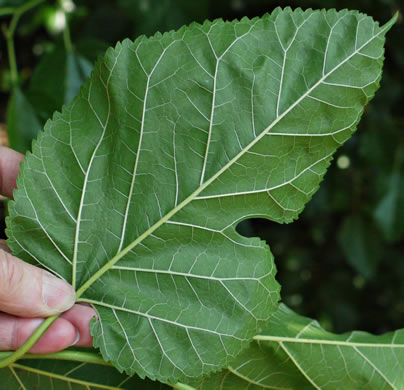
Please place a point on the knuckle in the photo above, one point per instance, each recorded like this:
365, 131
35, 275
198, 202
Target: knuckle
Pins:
14, 335
19, 335
11, 275
7, 332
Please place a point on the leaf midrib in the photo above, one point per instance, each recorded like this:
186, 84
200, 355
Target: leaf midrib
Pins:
334, 343
253, 382
83, 195
141, 133
191, 197
354, 347
61, 377
17, 378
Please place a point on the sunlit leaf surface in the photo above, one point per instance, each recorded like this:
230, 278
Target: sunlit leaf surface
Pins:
133, 192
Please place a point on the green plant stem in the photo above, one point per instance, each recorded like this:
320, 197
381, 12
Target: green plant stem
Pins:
77, 356
6, 11
19, 353
66, 33
9, 35
66, 38
18, 12
12, 59
182, 386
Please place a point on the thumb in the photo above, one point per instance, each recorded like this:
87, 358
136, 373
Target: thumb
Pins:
28, 291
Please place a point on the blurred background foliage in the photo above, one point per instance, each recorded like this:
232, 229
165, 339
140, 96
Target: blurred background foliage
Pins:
343, 260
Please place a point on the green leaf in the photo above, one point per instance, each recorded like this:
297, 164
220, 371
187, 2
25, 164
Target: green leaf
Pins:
57, 80
70, 375
77, 70
22, 122
389, 213
11, 3
361, 245
294, 352
134, 191
162, 15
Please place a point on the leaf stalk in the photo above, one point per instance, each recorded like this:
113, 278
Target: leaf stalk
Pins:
77, 356
19, 353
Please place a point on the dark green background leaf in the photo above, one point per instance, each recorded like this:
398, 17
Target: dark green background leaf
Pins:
22, 120
69, 375
150, 16
57, 80
390, 211
361, 245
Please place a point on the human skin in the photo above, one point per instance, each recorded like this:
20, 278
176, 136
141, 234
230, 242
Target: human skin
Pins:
29, 294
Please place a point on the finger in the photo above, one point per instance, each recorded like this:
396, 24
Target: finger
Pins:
60, 335
80, 316
15, 331
28, 291
9, 169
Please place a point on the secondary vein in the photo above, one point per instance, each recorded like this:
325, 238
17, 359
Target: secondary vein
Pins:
200, 189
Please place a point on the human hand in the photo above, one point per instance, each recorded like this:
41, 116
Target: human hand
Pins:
28, 294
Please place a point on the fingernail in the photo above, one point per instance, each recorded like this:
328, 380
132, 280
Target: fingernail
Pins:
57, 294
77, 338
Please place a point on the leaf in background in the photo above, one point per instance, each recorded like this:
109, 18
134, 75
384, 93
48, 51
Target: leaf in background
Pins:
78, 69
294, 352
62, 374
134, 191
91, 48
11, 3
57, 80
22, 122
163, 15
390, 210
360, 244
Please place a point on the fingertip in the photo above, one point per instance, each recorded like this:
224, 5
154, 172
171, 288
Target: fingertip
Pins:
9, 168
28, 291
80, 317
57, 294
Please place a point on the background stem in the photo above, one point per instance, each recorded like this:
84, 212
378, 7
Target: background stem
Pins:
66, 32
66, 37
11, 58
7, 11
9, 35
